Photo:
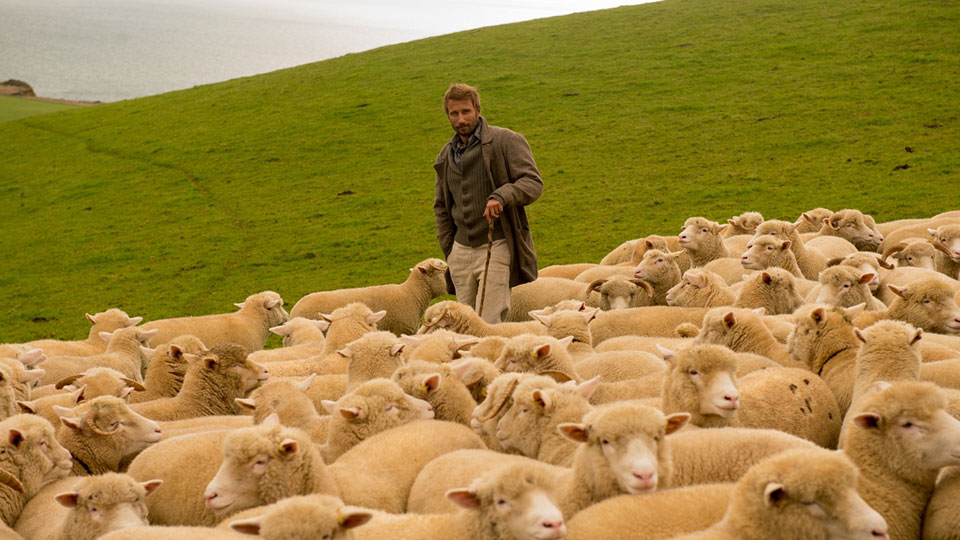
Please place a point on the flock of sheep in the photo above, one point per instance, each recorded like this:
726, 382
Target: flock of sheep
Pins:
753, 380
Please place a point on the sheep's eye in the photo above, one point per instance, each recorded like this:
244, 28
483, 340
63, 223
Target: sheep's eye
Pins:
693, 372
659, 260
390, 408
523, 410
703, 230
846, 285
605, 441
656, 438
260, 462
501, 502
907, 425
927, 302
910, 258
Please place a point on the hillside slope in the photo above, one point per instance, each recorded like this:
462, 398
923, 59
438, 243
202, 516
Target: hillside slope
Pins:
320, 176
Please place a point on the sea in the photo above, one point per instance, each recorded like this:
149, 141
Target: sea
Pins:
110, 50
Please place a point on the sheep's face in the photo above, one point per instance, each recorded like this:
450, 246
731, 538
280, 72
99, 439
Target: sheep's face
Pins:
621, 293
779, 229
516, 502
30, 442
697, 233
229, 364
773, 289
113, 319
434, 271
704, 379
917, 254
844, 286
746, 223
270, 304
850, 225
928, 305
764, 252
108, 503
519, 428
811, 221
948, 236
445, 314
537, 354
380, 404
110, 419
657, 267
908, 423
420, 379
693, 290
569, 323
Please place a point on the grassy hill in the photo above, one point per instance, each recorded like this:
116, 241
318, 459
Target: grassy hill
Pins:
14, 108
320, 176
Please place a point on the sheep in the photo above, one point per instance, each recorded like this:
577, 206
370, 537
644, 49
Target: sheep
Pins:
745, 223
603, 273
103, 433
900, 437
347, 324
376, 354
850, 225
620, 292
701, 382
380, 471
305, 517
773, 289
805, 494
918, 229
810, 261
438, 347
845, 286
662, 514
543, 355
496, 403
437, 385
642, 321
742, 330
463, 319
701, 240
573, 324
832, 247
565, 271
123, 354
101, 381
888, 353
43, 407
87, 507
942, 521
21, 377
927, 304
661, 271
514, 502
768, 252
293, 408
105, 321
167, 367
476, 374
700, 288
30, 457
263, 464
946, 239
404, 303
824, 342
302, 337
249, 327
812, 220
868, 263
624, 449
530, 424
631, 251
543, 292
210, 385
906, 275
730, 269
370, 408
489, 347
914, 252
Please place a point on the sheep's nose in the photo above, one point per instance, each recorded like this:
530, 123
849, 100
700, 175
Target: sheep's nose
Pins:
552, 524
209, 496
643, 476
880, 535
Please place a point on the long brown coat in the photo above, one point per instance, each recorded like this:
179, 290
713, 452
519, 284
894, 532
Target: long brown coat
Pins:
509, 167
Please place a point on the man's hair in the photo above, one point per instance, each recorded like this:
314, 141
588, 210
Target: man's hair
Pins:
458, 91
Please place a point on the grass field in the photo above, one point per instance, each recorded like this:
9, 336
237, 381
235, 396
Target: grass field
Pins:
320, 176
12, 108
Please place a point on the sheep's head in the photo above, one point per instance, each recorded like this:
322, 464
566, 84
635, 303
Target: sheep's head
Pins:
889, 343
812, 220
819, 331
108, 502
447, 314
30, 443
907, 423
112, 319
434, 272
630, 439
498, 398
928, 304
868, 263
357, 312
306, 517
783, 230
270, 304
746, 223
261, 465
844, 286
229, 366
439, 346
696, 289
731, 327
108, 422
650, 242
766, 251
285, 398
702, 381
918, 253
535, 401
575, 324
773, 289
814, 489
947, 240
543, 355
514, 501
850, 225
697, 232
421, 379
300, 330
101, 382
658, 267
375, 354
620, 292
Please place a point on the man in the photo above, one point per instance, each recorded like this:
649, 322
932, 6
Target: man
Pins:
485, 175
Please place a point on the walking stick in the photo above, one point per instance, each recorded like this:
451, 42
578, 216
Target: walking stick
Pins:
486, 266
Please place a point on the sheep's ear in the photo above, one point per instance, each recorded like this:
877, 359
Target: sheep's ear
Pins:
818, 315
175, 352
595, 285
32, 357
125, 393
574, 432
29, 407
375, 317
67, 380
676, 421
75, 424
105, 335
543, 399
835, 261
853, 311
146, 335
325, 317
566, 341
431, 382
397, 348
351, 517
329, 406
245, 403
774, 494
322, 324
421, 268
759, 311
809, 217
785, 245
273, 302
860, 335
665, 353
466, 341
732, 222
68, 499
282, 330
211, 362
868, 421
147, 351
15, 438
351, 414
304, 385
412, 341
899, 291
464, 498
539, 317
272, 420
729, 320
933, 232
766, 277
249, 526
590, 314
917, 334
586, 388
151, 485
78, 394
558, 376
31, 375
542, 350
344, 353
238, 304
133, 384
866, 278
288, 447
91, 318
832, 222
695, 278
133, 321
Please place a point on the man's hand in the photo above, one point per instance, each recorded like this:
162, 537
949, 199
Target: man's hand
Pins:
493, 210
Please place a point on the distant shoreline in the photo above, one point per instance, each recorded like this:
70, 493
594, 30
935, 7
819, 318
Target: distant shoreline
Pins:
61, 101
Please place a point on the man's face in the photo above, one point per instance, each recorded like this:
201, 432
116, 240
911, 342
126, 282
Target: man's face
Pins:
462, 115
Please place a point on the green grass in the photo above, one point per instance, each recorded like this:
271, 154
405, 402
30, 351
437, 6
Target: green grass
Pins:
13, 108
320, 176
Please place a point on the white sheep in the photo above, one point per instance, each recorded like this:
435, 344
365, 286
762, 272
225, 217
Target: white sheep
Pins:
810, 261
845, 286
462, 319
305, 517
767, 251
249, 327
404, 303
868, 263
812, 220
852, 226
773, 289
701, 240
643, 321
166, 368
927, 304
302, 337
376, 354
440, 387
439, 346
620, 292
700, 288
123, 354
745, 223
30, 457
293, 408
661, 271
105, 321
742, 330
543, 292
